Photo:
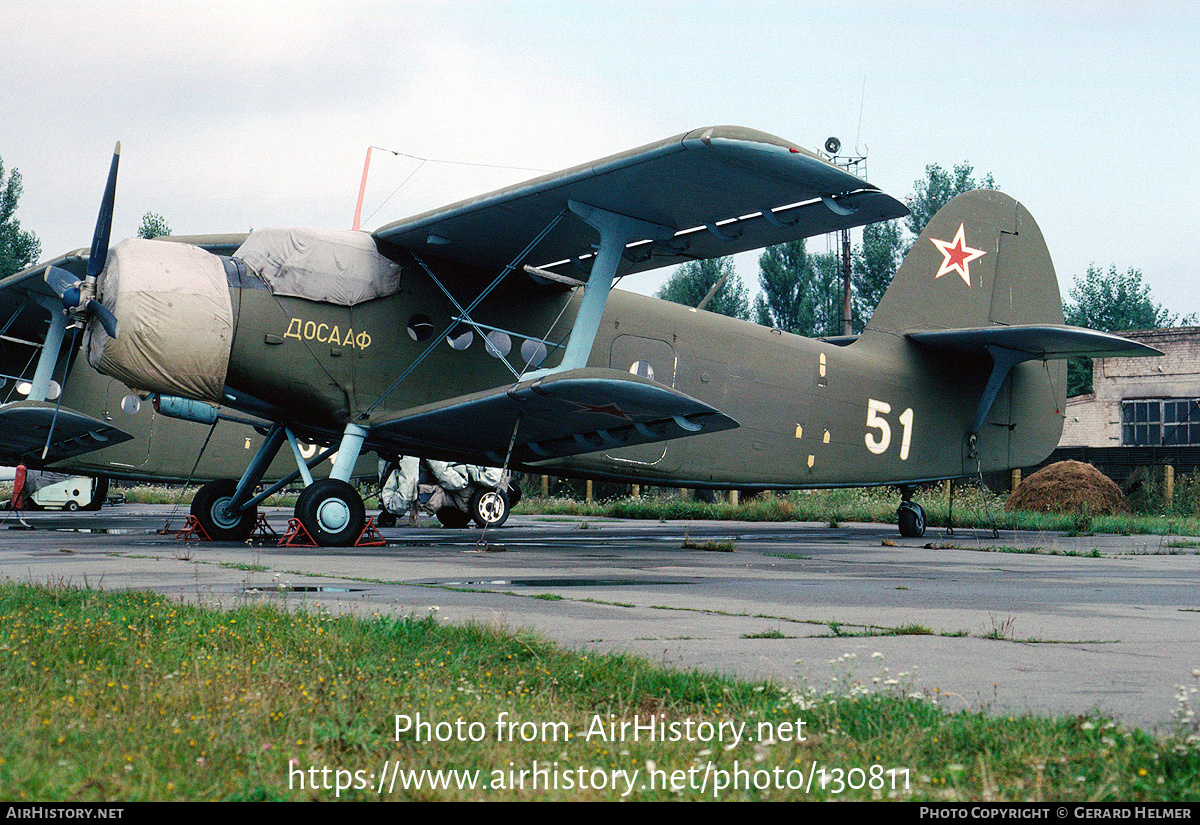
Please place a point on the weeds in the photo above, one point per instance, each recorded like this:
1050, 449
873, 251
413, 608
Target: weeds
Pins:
135, 697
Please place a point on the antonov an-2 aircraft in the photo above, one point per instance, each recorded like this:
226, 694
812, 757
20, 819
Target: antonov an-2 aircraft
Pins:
488, 332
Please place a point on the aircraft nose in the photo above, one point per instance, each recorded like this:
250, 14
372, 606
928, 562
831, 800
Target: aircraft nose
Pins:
177, 319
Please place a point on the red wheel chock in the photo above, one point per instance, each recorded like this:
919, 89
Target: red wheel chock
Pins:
370, 536
192, 531
296, 535
262, 529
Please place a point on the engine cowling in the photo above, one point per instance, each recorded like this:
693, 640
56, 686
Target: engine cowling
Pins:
176, 318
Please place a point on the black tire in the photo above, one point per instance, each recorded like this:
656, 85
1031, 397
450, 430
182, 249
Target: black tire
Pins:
453, 518
514, 494
208, 507
386, 518
99, 493
489, 508
71, 506
912, 520
332, 512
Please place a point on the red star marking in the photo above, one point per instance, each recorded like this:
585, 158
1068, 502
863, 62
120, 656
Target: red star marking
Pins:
958, 256
606, 409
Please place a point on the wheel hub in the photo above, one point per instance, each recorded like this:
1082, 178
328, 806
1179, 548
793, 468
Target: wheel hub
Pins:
221, 515
491, 507
333, 515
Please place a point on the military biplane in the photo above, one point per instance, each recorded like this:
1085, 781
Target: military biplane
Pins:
488, 332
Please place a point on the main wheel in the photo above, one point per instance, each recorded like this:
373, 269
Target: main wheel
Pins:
452, 517
208, 506
332, 512
489, 508
99, 493
912, 520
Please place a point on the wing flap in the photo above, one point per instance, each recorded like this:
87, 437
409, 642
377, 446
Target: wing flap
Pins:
26, 424
1041, 341
579, 411
723, 189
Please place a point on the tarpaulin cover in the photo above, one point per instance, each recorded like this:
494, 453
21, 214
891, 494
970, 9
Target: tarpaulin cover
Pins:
336, 266
175, 320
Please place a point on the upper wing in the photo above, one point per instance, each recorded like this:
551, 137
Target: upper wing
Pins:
723, 189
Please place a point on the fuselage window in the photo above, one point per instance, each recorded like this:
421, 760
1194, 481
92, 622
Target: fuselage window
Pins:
420, 327
533, 352
498, 344
643, 369
460, 337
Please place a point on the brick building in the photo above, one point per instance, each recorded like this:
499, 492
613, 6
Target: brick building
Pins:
1141, 402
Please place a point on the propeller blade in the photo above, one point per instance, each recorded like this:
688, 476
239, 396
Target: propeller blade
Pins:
104, 220
106, 318
59, 280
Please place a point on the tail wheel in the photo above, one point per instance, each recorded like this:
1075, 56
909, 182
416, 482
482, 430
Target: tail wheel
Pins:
489, 508
208, 506
332, 512
912, 520
386, 518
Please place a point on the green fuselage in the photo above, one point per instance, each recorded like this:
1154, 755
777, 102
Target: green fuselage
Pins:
811, 414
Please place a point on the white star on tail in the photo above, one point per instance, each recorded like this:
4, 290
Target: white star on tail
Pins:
958, 256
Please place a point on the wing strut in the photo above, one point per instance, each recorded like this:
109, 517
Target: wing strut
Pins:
465, 312
616, 231
1003, 360
40, 384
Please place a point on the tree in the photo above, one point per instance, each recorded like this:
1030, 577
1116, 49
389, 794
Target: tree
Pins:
801, 293
875, 263
18, 248
692, 281
153, 225
937, 189
785, 302
1111, 302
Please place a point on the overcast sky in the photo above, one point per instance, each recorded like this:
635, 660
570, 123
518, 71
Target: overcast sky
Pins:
235, 115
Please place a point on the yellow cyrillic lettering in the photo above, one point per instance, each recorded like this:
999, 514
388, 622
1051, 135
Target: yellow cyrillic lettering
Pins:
295, 322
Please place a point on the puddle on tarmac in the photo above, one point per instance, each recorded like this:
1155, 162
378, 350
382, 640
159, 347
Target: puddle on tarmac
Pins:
302, 588
613, 582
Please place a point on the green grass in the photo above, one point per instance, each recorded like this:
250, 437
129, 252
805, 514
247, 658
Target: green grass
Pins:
972, 509
767, 634
132, 696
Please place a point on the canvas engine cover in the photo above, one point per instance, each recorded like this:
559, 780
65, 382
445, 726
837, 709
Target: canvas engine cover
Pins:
175, 319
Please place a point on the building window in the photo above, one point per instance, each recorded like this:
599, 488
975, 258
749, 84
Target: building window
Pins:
1154, 422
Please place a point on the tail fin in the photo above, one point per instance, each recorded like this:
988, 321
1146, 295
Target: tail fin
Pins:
981, 261
976, 298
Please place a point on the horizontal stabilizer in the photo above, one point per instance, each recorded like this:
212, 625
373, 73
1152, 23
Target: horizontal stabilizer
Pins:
1039, 341
579, 411
26, 424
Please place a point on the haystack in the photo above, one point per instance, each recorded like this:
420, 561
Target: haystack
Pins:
1068, 487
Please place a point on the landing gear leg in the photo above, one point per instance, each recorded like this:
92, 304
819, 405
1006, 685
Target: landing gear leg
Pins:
910, 515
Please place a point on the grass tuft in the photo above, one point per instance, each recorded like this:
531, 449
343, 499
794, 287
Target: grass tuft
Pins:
133, 696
